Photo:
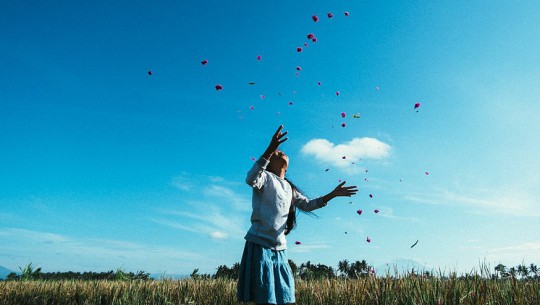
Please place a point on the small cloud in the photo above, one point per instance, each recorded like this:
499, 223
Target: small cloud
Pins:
342, 155
219, 235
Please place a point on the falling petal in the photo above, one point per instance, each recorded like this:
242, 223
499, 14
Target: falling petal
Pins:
417, 105
366, 179
377, 88
219, 87
298, 68
326, 169
310, 36
150, 72
290, 103
376, 211
251, 83
343, 114
344, 157
345, 232
305, 44
343, 125
330, 15
346, 14
262, 97
297, 243
251, 107
427, 173
299, 49
414, 243
314, 39
338, 93
368, 239
319, 83
370, 195
259, 57
356, 115
204, 62
359, 212
315, 18
252, 158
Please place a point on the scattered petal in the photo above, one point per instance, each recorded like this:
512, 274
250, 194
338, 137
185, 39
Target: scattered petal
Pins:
262, 97
338, 93
319, 83
417, 105
299, 49
330, 15
356, 115
346, 14
297, 243
252, 158
259, 57
310, 36
251, 83
305, 44
326, 169
368, 239
343, 114
204, 62
298, 68
377, 88
344, 157
314, 39
359, 212
219, 87
376, 211
427, 173
150, 72
343, 125
370, 195
290, 103
315, 18
251, 107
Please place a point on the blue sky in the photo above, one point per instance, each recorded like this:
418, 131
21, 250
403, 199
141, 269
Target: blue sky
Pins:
104, 166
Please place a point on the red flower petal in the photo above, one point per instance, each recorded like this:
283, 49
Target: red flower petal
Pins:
298, 68
259, 57
368, 239
346, 14
297, 243
343, 125
149, 72
376, 211
417, 105
299, 49
330, 15
338, 93
343, 114
314, 39
359, 212
310, 36
315, 18
204, 62
219, 87
370, 196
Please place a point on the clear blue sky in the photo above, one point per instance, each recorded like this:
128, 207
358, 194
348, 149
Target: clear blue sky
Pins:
104, 166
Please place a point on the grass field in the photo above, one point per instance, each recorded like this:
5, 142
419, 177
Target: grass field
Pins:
471, 289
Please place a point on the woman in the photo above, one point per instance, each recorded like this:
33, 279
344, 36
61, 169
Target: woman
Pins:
265, 275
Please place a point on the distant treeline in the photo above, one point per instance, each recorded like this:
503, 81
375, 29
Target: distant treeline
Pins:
31, 273
306, 271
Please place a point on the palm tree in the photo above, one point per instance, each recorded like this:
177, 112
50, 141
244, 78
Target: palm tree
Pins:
533, 269
343, 267
500, 269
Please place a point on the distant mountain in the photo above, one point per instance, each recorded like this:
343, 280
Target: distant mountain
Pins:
4, 272
401, 267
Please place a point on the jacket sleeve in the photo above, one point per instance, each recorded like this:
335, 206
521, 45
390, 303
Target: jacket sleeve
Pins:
256, 176
307, 205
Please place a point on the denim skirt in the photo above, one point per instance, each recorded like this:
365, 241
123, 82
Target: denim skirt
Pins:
265, 276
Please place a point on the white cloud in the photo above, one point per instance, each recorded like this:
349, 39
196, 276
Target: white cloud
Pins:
484, 202
515, 254
356, 150
219, 235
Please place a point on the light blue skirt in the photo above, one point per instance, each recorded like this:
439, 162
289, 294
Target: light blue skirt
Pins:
265, 276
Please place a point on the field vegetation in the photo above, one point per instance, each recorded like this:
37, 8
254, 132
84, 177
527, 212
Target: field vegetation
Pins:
351, 283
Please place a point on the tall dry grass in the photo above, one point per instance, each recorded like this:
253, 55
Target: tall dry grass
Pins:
371, 290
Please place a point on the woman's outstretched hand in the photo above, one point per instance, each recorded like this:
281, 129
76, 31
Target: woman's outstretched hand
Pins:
341, 191
277, 139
